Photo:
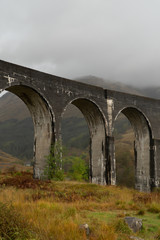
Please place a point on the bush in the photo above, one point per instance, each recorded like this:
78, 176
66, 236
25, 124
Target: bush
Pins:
79, 170
154, 208
53, 168
141, 212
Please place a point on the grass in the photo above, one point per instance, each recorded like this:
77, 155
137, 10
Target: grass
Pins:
55, 210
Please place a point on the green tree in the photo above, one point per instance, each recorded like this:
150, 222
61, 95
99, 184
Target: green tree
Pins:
79, 170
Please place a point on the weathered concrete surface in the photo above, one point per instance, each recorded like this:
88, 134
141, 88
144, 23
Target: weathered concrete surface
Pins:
144, 116
47, 97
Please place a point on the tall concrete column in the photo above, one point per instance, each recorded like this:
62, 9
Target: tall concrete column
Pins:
111, 162
156, 158
43, 120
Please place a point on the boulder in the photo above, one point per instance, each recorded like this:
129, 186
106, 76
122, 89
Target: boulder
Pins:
86, 228
135, 224
136, 238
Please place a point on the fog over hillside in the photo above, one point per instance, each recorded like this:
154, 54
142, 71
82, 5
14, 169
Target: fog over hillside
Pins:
153, 92
107, 84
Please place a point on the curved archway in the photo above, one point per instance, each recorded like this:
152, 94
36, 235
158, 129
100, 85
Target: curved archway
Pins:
144, 165
97, 130
124, 151
43, 124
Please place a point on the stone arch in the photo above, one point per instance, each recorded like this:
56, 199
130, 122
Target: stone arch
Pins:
42, 117
97, 130
144, 163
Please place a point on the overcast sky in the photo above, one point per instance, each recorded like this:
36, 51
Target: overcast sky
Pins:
115, 39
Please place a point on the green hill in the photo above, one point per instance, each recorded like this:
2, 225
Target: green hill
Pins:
16, 138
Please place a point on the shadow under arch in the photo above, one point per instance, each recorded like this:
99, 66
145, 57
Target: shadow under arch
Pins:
143, 145
43, 124
97, 130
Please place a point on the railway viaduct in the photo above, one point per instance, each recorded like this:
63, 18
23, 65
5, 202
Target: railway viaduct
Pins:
47, 97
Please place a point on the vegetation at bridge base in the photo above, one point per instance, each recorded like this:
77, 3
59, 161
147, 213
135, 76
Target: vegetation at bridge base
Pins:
55, 210
75, 168
53, 169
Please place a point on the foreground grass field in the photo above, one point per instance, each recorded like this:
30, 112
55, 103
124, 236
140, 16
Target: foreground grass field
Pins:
33, 209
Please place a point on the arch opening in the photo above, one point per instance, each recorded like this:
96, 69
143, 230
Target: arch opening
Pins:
43, 125
75, 140
97, 139
142, 148
124, 152
16, 138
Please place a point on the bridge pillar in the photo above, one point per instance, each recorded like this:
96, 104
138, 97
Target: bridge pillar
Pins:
156, 158
98, 159
142, 152
111, 161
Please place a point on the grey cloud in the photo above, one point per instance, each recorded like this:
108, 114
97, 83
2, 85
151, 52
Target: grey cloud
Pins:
116, 40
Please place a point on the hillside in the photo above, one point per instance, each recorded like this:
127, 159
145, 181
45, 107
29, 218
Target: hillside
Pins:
153, 92
10, 163
106, 84
12, 107
16, 137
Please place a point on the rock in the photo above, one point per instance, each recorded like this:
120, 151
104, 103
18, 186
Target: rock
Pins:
134, 223
136, 238
86, 227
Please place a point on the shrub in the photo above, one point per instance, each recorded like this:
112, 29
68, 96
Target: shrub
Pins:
78, 170
53, 168
141, 212
154, 208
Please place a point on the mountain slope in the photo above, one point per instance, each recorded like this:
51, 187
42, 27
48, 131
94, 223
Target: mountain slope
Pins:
10, 163
12, 107
153, 92
106, 84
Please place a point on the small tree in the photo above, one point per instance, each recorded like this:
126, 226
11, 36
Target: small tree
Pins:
53, 168
79, 170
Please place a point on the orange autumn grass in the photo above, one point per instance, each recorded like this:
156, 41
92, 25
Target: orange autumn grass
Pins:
55, 210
